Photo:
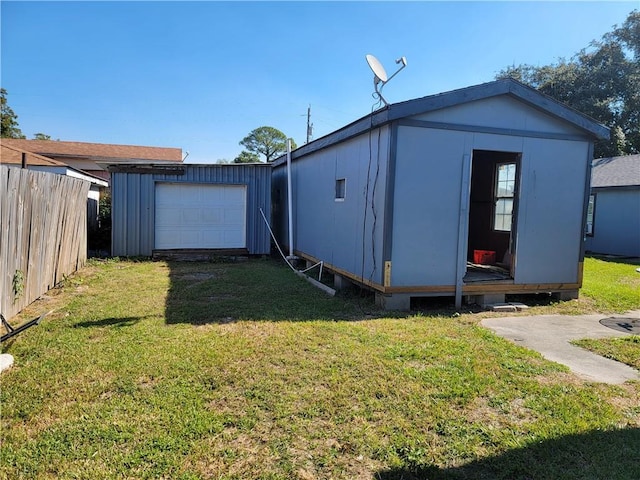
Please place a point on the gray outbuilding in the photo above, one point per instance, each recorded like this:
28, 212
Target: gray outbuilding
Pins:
474, 193
613, 216
162, 207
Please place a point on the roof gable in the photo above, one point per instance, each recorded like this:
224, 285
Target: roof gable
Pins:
616, 171
506, 86
431, 103
502, 112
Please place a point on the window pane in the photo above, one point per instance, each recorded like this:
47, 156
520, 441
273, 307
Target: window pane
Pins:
504, 209
504, 206
590, 214
340, 188
503, 223
504, 193
506, 180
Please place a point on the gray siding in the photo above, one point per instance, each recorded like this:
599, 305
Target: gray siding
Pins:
133, 204
551, 210
427, 205
421, 170
502, 112
616, 225
336, 231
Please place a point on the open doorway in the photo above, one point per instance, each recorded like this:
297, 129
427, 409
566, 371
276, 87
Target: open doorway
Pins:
492, 215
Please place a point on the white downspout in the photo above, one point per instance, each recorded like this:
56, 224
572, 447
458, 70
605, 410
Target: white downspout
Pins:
289, 200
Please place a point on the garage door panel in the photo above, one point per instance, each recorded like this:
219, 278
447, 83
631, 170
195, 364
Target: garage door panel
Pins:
169, 235
231, 237
191, 216
213, 215
200, 216
233, 215
171, 216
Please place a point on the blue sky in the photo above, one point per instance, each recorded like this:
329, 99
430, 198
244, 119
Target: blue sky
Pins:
201, 75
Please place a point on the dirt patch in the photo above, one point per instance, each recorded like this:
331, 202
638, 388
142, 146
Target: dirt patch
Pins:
629, 403
560, 378
513, 413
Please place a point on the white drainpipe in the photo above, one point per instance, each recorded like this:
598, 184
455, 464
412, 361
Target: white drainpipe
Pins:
289, 199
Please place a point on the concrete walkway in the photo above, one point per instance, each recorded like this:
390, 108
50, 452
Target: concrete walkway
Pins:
550, 335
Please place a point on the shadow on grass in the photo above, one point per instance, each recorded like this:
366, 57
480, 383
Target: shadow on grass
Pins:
597, 455
107, 322
255, 289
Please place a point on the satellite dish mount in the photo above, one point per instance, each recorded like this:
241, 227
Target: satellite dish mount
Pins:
380, 78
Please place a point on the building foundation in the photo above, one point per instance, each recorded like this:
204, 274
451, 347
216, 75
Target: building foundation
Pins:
395, 301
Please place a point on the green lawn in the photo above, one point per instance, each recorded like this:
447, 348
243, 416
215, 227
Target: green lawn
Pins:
625, 349
243, 370
612, 285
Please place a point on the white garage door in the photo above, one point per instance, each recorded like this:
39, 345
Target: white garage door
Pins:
200, 216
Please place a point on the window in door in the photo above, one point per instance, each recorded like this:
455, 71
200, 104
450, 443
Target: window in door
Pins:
504, 190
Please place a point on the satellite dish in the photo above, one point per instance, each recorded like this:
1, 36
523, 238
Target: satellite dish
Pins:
380, 75
377, 69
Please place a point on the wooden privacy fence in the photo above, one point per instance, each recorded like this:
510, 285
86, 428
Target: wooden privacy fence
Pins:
43, 236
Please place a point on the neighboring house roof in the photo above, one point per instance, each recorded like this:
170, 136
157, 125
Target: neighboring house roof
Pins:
616, 171
96, 151
13, 155
10, 155
507, 86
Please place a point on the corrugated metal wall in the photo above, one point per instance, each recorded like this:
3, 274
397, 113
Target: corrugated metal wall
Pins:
133, 204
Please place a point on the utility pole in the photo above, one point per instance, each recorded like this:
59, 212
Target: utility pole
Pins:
309, 125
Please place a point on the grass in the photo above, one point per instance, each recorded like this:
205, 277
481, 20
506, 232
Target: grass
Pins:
625, 349
243, 370
612, 285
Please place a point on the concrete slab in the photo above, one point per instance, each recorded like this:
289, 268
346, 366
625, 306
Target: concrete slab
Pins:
550, 335
506, 307
6, 361
501, 307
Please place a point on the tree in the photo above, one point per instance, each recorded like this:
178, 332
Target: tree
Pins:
9, 119
602, 81
267, 141
247, 157
41, 136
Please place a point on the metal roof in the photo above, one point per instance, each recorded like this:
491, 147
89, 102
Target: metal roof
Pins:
616, 171
507, 86
164, 167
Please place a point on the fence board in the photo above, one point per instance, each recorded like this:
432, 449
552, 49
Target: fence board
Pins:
43, 232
